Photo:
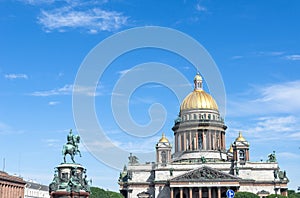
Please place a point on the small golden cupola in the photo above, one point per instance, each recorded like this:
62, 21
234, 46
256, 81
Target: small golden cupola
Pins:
163, 139
240, 138
230, 150
198, 99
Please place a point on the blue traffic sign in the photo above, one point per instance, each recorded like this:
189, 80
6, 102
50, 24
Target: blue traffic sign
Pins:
230, 193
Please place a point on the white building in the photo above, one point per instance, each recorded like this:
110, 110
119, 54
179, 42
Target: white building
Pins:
35, 190
201, 166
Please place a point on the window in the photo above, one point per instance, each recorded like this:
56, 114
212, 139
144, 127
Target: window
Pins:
242, 155
163, 157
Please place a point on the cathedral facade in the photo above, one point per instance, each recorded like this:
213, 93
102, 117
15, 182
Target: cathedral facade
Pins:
201, 166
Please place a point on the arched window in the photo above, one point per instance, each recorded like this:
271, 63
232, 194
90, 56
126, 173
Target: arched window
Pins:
242, 155
163, 157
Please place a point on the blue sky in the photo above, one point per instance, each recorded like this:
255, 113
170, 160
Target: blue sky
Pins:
255, 45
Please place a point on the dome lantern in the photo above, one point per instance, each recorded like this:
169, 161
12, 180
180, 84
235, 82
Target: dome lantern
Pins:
198, 82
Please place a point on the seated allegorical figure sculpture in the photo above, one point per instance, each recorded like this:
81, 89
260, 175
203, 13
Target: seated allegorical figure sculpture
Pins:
272, 157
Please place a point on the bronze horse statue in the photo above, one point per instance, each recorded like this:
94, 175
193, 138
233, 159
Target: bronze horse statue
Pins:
71, 148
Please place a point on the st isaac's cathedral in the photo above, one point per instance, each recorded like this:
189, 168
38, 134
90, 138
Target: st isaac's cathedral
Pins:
201, 166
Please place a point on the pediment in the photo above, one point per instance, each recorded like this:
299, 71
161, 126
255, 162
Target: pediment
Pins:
205, 174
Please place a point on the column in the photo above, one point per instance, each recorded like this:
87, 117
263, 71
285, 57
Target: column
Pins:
171, 192
204, 141
247, 155
191, 192
15, 191
200, 192
209, 140
9, 191
180, 142
219, 192
223, 139
215, 141
6, 190
209, 192
191, 142
196, 144
184, 141
181, 193
176, 143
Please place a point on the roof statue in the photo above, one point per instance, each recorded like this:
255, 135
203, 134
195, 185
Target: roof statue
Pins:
71, 147
272, 157
133, 159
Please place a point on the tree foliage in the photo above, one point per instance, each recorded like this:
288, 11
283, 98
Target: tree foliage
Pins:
276, 196
100, 193
245, 195
293, 194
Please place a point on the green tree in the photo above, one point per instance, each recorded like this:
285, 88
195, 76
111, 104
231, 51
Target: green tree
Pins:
100, 193
293, 194
245, 195
276, 196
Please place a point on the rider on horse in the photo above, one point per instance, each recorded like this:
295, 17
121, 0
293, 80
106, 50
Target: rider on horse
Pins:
71, 147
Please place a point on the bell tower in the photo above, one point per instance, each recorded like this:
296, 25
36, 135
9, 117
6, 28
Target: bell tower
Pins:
163, 151
241, 149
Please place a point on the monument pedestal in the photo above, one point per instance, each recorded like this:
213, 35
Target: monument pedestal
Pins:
70, 181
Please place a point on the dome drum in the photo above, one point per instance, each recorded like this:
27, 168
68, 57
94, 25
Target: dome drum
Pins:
199, 126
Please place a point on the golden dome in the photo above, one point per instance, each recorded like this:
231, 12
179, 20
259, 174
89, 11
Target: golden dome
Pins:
163, 139
198, 99
240, 138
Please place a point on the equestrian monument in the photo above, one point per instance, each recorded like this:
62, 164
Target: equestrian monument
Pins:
70, 178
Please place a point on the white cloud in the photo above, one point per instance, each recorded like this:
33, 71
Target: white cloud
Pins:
53, 103
65, 90
37, 2
56, 143
141, 146
276, 98
200, 8
269, 128
68, 90
293, 57
295, 136
270, 53
236, 57
6, 129
123, 72
93, 20
16, 76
